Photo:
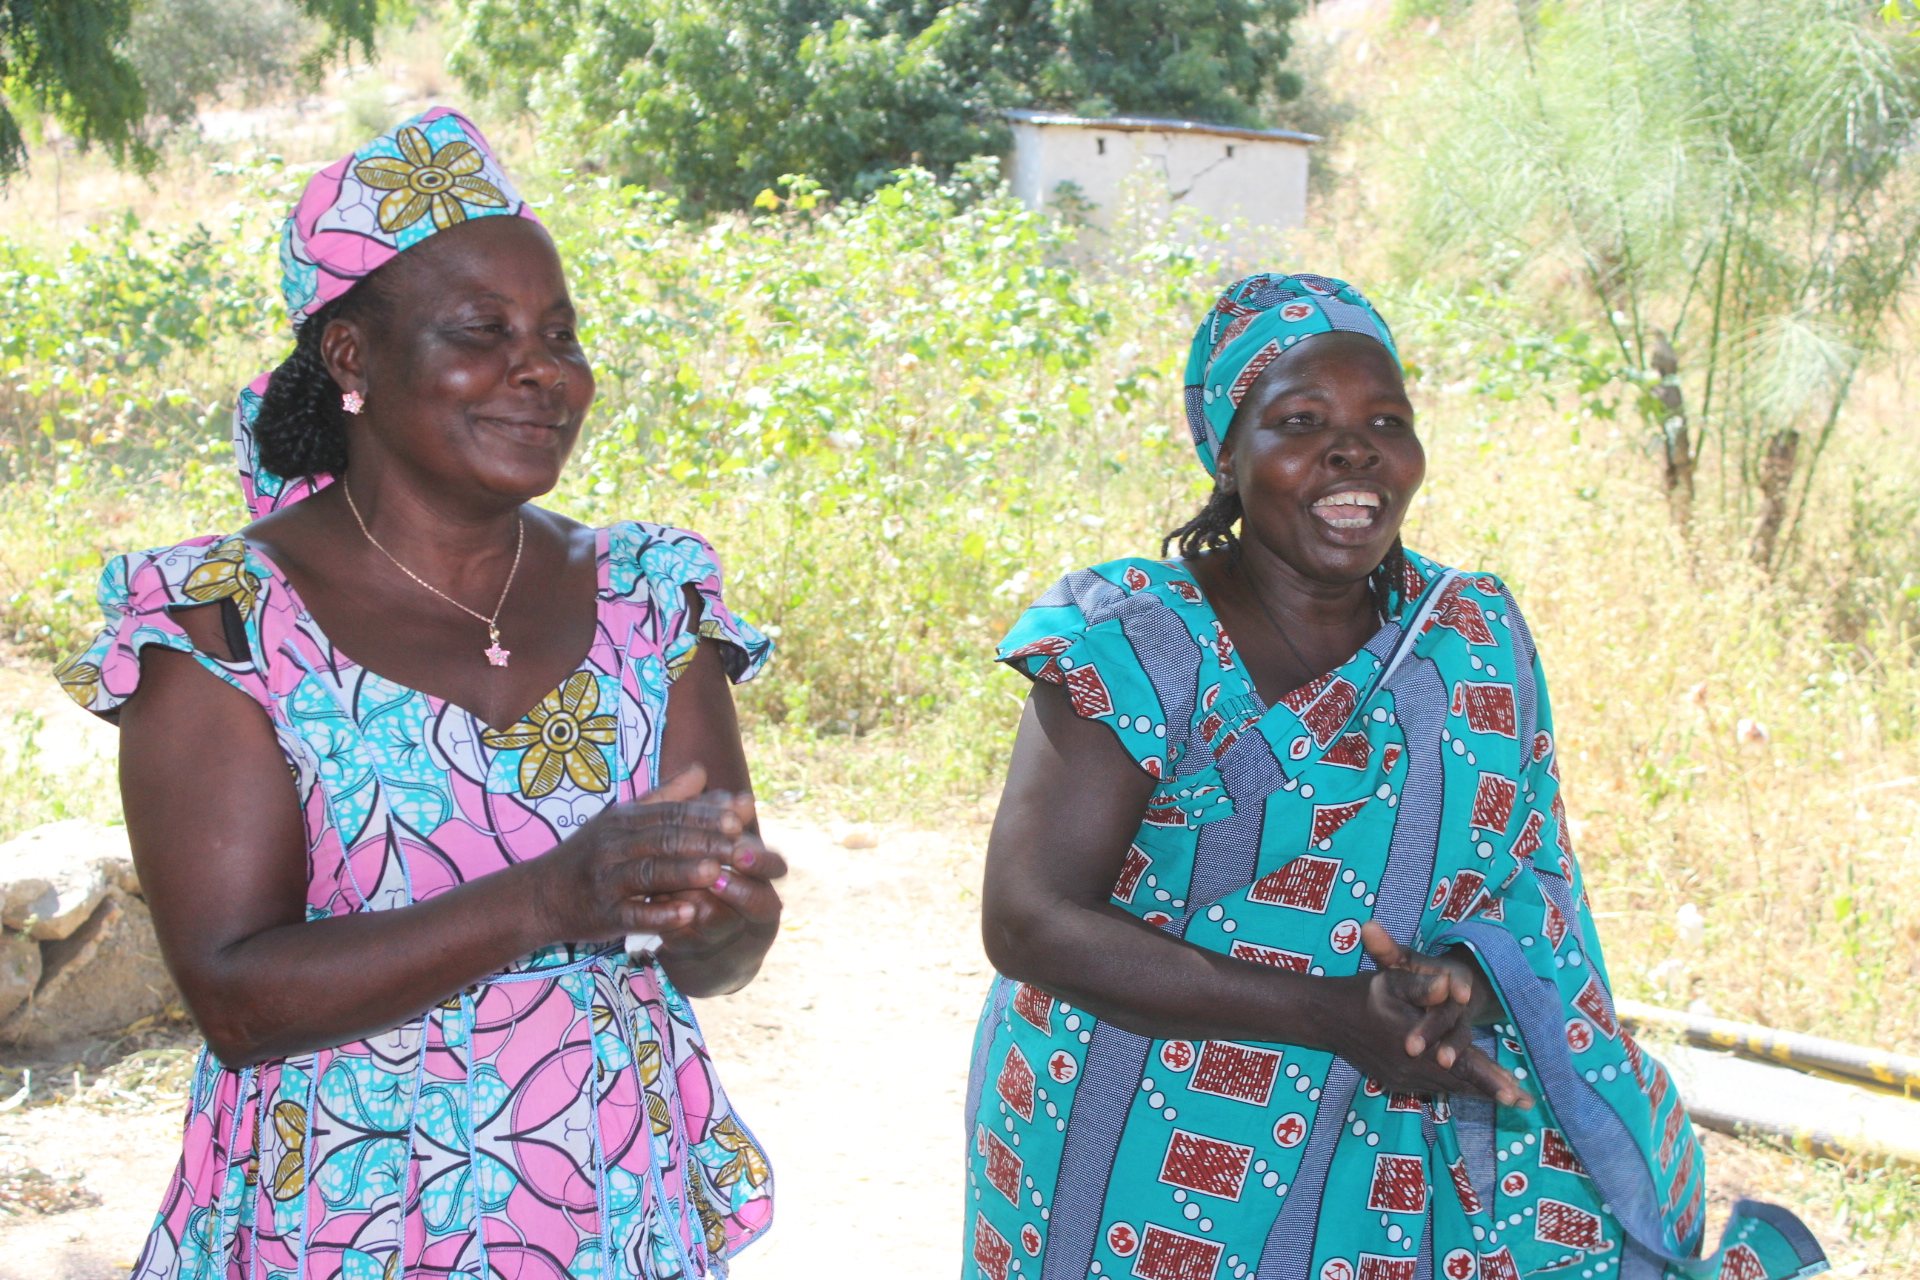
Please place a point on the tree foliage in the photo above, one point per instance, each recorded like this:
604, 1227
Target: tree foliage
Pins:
68, 60
714, 100
1730, 185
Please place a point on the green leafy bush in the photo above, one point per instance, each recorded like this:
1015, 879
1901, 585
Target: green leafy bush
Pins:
713, 100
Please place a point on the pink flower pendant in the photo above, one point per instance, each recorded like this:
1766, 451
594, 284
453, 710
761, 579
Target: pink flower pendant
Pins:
495, 654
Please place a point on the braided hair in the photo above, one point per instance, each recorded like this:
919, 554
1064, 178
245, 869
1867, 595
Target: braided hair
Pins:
1212, 529
301, 429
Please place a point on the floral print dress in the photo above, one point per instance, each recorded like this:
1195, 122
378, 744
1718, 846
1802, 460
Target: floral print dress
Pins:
558, 1119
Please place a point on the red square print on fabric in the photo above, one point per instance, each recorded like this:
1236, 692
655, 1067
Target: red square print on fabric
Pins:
1527, 843
1089, 692
1003, 1168
1683, 1188
1292, 961
1635, 1058
1351, 752
1410, 1102
1399, 1184
1380, 1266
1165, 811
1329, 818
1015, 1085
1206, 1165
990, 1248
1557, 1153
1050, 645
1488, 707
1238, 1071
1035, 1005
1130, 872
1135, 578
1174, 1255
1298, 700
1499, 1265
1554, 925
1463, 1186
1460, 616
1657, 1087
1390, 756
1466, 891
1670, 1135
1593, 1002
1305, 884
1556, 1222
1493, 803
1330, 711
1251, 374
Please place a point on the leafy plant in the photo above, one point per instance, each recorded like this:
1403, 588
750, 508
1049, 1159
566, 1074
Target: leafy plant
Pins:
1728, 186
712, 100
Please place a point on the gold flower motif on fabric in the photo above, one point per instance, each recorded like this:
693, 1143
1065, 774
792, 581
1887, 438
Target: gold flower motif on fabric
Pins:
290, 1175
422, 180
79, 678
559, 736
747, 1161
223, 575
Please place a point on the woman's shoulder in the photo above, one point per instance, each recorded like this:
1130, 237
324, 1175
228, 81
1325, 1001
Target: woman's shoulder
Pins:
1095, 595
138, 593
1087, 611
657, 564
199, 570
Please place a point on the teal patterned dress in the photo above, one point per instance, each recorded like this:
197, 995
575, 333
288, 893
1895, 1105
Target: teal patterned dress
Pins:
1416, 785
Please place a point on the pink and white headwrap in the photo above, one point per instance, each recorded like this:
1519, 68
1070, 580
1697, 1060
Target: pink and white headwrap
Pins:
356, 215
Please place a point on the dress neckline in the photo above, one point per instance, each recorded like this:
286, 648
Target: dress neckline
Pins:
602, 587
1246, 676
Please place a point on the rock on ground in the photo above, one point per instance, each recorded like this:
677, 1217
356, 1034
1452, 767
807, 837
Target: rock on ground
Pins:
105, 976
19, 971
54, 876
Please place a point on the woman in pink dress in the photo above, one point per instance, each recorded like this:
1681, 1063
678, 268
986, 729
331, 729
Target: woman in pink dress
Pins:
407, 758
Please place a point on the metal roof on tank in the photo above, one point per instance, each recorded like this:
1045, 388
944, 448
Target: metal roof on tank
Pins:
1152, 124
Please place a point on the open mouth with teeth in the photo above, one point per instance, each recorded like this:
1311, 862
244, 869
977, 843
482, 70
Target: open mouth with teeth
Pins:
1353, 509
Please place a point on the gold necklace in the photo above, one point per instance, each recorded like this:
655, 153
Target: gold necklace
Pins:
495, 654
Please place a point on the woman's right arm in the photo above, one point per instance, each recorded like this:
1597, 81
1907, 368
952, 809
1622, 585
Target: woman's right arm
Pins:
221, 849
1073, 802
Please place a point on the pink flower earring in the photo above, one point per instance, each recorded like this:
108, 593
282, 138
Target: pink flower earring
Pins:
353, 402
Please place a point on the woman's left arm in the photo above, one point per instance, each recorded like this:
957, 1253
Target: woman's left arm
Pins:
734, 923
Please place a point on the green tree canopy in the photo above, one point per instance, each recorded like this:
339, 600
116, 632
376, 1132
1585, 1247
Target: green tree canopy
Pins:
714, 100
68, 60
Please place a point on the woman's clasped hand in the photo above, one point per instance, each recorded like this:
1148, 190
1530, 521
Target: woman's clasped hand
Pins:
1409, 1023
679, 862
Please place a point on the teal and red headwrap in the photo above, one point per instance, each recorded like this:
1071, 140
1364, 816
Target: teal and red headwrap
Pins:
1254, 321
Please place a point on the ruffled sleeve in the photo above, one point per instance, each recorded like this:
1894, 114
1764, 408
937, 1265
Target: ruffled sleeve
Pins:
1074, 637
661, 562
139, 594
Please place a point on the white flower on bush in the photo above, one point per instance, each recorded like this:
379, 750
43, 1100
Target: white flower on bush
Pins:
1751, 733
1690, 925
1017, 585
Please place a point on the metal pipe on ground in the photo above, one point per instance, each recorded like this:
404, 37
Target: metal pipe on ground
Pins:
1895, 1073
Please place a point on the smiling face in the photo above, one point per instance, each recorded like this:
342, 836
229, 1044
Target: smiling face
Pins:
1323, 455
472, 372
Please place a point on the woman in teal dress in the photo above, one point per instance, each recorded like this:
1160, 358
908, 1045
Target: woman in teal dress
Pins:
1299, 978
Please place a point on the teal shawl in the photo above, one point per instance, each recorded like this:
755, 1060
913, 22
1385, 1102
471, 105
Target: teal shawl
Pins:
1417, 785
